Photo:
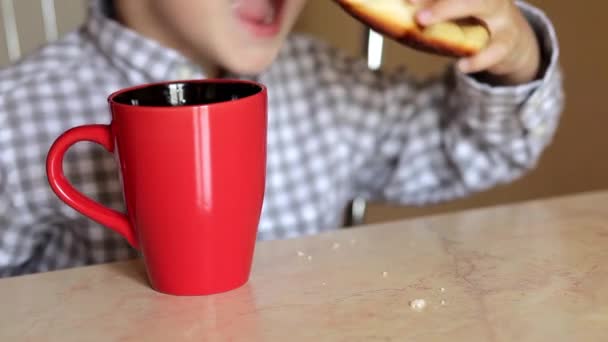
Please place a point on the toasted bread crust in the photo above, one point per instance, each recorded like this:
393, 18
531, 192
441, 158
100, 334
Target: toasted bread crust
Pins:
412, 35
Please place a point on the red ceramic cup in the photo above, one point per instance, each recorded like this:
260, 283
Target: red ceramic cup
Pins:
192, 158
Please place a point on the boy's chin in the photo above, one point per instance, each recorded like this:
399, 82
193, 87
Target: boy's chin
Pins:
249, 65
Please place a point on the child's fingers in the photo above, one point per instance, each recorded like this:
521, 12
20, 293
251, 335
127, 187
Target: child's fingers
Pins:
487, 58
443, 10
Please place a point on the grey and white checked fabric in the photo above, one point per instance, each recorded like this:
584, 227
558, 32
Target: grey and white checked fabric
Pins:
336, 130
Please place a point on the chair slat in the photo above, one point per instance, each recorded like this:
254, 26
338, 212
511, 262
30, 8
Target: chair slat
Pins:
10, 30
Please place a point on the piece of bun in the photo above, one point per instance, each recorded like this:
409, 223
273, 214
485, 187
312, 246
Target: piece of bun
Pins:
395, 19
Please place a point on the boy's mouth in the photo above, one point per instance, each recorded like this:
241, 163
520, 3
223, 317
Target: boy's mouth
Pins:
262, 18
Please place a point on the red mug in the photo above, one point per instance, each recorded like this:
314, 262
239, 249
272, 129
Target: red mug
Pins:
192, 160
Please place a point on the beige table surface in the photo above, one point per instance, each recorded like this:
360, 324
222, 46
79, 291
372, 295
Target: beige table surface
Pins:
536, 271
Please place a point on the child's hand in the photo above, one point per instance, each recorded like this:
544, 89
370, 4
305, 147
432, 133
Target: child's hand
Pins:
513, 54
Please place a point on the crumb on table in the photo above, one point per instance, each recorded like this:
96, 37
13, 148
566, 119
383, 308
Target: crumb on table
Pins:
418, 304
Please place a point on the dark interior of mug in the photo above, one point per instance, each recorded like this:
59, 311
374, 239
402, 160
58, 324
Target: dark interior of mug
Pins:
187, 94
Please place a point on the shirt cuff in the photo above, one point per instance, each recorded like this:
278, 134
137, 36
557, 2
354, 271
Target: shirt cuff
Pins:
531, 94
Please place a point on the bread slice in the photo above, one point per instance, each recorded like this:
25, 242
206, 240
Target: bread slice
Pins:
395, 19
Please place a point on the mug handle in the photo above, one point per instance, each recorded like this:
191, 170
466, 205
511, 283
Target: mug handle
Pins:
100, 134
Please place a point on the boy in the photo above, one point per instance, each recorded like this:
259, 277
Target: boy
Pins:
336, 129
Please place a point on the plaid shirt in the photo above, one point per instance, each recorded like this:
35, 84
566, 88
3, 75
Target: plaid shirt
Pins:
336, 131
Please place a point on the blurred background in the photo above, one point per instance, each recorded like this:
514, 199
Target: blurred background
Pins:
575, 162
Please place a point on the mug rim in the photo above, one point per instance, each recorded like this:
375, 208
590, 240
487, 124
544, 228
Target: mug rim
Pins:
111, 98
